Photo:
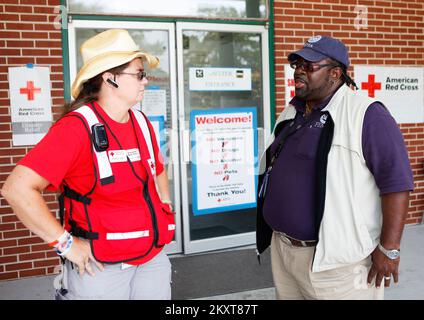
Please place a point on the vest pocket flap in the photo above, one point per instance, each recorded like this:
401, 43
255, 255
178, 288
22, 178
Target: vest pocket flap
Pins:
166, 208
166, 224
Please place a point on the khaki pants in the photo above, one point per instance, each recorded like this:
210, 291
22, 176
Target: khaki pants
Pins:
294, 280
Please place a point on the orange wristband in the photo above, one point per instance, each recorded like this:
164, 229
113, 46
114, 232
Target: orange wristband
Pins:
61, 239
53, 244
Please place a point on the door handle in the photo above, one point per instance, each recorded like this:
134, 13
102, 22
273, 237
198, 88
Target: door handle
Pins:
186, 145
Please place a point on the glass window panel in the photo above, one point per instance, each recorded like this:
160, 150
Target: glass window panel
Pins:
220, 9
208, 49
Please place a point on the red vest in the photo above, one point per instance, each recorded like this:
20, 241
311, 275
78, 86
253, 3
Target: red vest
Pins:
130, 234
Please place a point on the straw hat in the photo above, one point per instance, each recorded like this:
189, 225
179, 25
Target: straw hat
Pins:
105, 51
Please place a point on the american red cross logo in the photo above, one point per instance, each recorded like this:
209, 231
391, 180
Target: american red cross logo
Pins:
371, 85
30, 90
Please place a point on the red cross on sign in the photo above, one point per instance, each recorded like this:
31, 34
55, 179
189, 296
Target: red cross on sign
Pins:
371, 85
30, 90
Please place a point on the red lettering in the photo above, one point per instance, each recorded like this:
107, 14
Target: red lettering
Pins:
219, 119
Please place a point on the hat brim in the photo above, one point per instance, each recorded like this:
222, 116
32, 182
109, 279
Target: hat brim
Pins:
307, 54
101, 63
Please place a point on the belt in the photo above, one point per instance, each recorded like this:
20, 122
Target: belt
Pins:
295, 242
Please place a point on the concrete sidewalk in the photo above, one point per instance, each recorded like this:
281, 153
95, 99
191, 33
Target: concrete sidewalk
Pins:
410, 287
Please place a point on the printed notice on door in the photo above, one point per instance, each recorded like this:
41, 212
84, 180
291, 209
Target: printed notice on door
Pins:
224, 159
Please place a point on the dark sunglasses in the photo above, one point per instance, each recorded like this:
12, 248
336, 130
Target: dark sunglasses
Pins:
140, 75
309, 66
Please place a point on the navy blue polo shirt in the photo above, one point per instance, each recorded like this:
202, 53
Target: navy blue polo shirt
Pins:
290, 197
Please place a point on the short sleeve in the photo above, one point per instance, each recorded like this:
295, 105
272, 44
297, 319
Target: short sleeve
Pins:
385, 151
60, 152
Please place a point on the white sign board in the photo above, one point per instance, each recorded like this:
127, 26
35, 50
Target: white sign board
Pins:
154, 103
289, 83
224, 159
220, 79
400, 89
30, 104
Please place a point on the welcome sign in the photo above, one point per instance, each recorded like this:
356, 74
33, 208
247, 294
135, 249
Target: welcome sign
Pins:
224, 162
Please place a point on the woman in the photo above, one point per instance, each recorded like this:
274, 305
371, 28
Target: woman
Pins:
115, 198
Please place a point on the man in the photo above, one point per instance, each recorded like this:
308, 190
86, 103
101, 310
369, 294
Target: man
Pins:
334, 185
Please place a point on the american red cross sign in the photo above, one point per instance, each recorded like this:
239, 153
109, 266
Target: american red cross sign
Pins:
400, 89
30, 104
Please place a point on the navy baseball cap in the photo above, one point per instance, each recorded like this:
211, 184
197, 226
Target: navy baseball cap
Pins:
318, 48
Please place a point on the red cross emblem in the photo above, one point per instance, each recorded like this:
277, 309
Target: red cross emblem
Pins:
371, 85
30, 90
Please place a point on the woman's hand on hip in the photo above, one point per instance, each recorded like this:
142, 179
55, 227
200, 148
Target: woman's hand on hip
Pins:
80, 254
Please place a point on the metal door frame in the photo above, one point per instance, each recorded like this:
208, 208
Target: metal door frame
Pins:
224, 241
176, 245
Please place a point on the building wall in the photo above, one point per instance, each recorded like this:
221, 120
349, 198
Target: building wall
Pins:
28, 35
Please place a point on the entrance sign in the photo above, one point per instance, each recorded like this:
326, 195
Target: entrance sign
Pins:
224, 159
400, 89
220, 79
30, 104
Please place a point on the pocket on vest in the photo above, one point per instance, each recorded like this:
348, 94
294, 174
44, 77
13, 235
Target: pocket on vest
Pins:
125, 233
166, 224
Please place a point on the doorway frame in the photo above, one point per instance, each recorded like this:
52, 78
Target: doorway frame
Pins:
237, 240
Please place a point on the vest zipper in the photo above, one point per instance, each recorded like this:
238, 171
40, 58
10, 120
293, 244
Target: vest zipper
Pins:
152, 213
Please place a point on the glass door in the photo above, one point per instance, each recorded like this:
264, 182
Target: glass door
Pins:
224, 115
159, 103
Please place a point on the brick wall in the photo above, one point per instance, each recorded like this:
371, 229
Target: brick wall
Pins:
395, 37
27, 35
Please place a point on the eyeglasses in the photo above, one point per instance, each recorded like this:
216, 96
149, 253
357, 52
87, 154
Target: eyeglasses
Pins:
140, 75
308, 66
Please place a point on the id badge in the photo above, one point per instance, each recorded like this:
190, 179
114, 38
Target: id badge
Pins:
264, 185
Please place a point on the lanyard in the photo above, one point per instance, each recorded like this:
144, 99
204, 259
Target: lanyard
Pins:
274, 157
